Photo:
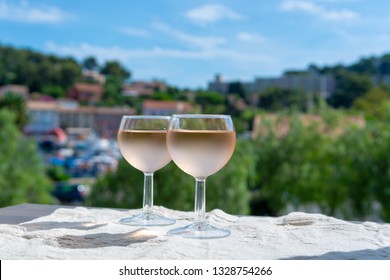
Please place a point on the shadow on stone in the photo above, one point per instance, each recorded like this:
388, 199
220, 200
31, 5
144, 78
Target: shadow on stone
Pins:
66, 225
105, 239
367, 254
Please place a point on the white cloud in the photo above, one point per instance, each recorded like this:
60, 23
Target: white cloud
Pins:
211, 13
341, 15
134, 32
146, 63
24, 12
345, 36
202, 42
107, 53
250, 37
371, 40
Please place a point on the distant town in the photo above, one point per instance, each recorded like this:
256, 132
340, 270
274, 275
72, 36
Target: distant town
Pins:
86, 133
74, 109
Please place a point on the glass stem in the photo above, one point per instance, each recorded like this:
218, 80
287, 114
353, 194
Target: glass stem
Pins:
200, 200
148, 193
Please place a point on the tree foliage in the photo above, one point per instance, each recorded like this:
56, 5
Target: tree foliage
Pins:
365, 66
90, 63
112, 94
274, 99
349, 87
374, 104
331, 165
16, 104
211, 102
22, 174
54, 91
36, 70
237, 88
327, 164
175, 189
114, 68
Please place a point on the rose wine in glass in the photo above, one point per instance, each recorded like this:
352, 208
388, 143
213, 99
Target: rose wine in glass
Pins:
142, 142
200, 145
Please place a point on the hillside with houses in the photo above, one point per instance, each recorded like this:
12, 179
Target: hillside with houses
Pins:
315, 139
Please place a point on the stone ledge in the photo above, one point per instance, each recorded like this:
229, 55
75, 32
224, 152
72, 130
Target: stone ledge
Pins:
56, 232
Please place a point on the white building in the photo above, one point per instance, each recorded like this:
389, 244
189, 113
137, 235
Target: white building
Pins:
218, 85
46, 116
312, 83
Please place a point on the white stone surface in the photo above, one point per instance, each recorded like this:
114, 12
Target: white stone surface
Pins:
82, 233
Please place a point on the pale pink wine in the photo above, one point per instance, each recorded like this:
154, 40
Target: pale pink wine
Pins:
201, 153
145, 150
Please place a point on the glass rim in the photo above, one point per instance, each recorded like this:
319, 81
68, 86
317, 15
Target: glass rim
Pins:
140, 117
200, 116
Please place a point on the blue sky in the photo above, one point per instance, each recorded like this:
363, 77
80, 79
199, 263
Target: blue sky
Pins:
185, 43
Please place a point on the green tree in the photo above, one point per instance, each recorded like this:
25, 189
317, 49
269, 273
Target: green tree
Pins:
68, 71
174, 189
248, 116
22, 174
15, 103
237, 89
372, 103
179, 94
171, 93
124, 188
211, 102
274, 99
366, 66
228, 189
114, 68
54, 90
375, 165
112, 94
162, 96
349, 87
288, 166
384, 66
57, 173
328, 164
90, 63
36, 70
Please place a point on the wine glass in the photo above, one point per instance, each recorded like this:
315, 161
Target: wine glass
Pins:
200, 145
142, 142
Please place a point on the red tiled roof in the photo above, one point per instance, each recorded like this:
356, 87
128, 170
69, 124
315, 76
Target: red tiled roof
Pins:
95, 88
143, 88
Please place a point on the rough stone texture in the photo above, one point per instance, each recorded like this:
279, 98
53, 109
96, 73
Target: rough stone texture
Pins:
82, 233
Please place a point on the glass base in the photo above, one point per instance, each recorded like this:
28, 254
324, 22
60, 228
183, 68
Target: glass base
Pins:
200, 231
148, 219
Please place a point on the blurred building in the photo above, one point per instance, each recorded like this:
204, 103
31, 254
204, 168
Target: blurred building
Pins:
44, 122
107, 120
324, 85
104, 121
86, 92
94, 77
266, 124
218, 85
140, 88
165, 108
20, 90
44, 115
